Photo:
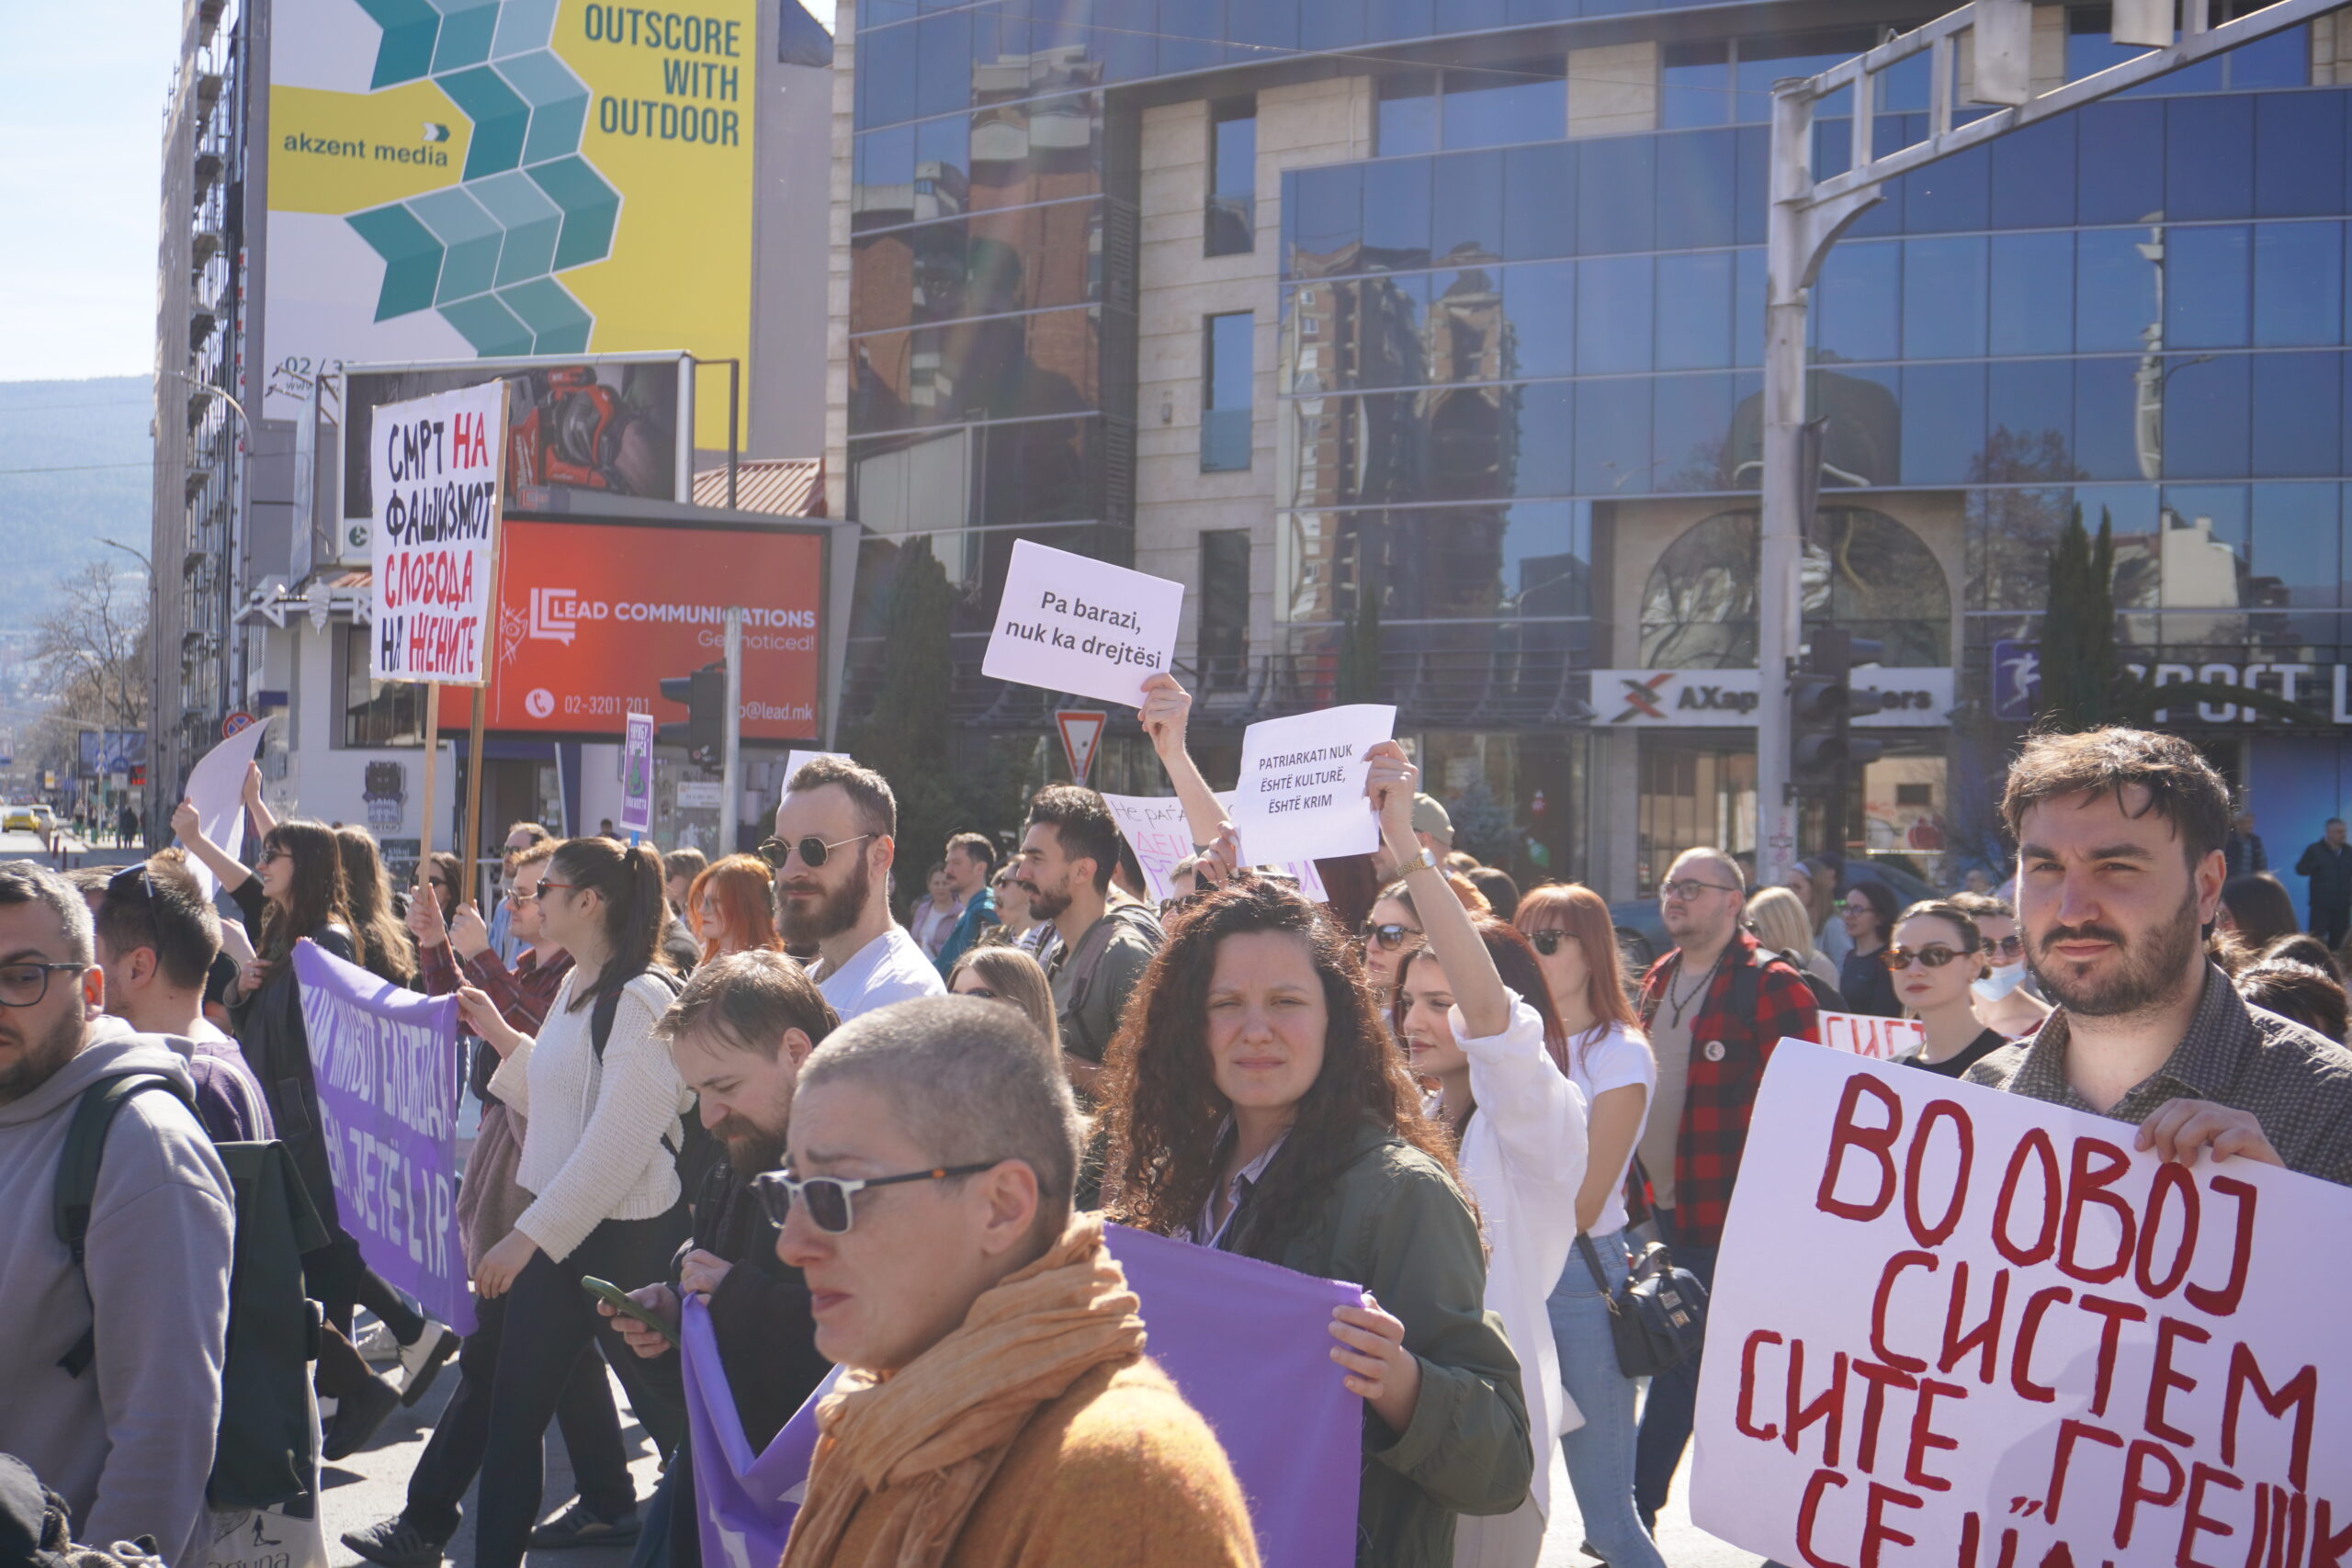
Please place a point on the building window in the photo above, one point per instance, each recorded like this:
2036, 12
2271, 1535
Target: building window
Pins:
1496, 105
1232, 217
1224, 609
1225, 392
376, 713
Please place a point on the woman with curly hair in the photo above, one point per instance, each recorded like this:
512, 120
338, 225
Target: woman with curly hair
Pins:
731, 906
1257, 1103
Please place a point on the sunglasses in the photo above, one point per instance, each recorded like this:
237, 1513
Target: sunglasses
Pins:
827, 1196
1687, 888
131, 881
2008, 947
812, 850
1900, 958
270, 852
1390, 937
1547, 942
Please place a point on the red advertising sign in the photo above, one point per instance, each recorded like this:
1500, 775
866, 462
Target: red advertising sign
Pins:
591, 615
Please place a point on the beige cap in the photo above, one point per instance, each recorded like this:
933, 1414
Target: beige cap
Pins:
1429, 818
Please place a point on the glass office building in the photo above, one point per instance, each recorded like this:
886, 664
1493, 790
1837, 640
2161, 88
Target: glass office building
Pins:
1447, 314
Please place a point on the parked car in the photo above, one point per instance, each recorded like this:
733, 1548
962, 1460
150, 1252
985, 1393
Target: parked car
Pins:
47, 818
19, 819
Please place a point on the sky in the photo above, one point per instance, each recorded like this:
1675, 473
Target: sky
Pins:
85, 112
83, 109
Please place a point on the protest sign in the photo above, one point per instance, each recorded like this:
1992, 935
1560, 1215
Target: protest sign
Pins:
1953, 1326
1301, 791
435, 466
389, 1075
1155, 829
1247, 1344
1880, 1039
216, 787
1073, 624
636, 773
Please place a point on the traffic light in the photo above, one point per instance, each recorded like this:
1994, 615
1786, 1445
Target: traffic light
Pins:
703, 696
1823, 705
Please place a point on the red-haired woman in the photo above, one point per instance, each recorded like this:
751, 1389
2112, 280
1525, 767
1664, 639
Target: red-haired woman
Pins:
1576, 944
731, 906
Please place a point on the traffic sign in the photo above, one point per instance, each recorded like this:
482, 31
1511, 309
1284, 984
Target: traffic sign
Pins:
1081, 733
235, 723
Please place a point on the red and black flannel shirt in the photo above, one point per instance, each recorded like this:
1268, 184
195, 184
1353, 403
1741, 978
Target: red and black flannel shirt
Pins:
1722, 1084
523, 994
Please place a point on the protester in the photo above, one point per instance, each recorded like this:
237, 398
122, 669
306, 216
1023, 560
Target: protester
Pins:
1392, 931
129, 1440
489, 1202
731, 909
2119, 835
1008, 975
1497, 887
679, 869
2004, 996
970, 861
1016, 925
381, 944
1066, 853
1779, 919
2300, 993
521, 836
445, 880
738, 1034
1576, 945
936, 913
1712, 1010
2256, 911
998, 1407
1476, 1016
2304, 948
127, 825
1937, 956
1866, 911
1256, 1102
840, 904
1977, 880
602, 1119
157, 935
1821, 904
2241, 851
2328, 865
296, 892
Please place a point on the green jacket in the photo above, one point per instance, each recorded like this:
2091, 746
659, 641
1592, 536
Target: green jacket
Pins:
1395, 1225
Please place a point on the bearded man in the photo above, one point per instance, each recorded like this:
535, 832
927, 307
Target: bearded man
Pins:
836, 833
2120, 870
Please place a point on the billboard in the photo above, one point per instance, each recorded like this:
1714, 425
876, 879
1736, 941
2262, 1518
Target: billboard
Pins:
506, 177
592, 615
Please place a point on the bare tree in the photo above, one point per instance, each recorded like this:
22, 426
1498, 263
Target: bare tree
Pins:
89, 655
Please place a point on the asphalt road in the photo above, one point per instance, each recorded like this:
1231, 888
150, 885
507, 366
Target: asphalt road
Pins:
372, 1485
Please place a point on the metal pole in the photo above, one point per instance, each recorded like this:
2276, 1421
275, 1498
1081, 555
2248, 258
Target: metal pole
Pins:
1778, 587
730, 771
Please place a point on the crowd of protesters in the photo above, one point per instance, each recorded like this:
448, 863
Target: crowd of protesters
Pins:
874, 1110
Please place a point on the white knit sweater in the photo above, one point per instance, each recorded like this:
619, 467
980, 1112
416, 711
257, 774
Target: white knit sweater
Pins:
592, 1147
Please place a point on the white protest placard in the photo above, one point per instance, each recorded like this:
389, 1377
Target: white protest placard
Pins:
1954, 1327
1880, 1039
216, 787
1073, 624
1155, 829
1301, 792
436, 463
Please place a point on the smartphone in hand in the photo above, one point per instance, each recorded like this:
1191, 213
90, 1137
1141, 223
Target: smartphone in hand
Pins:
613, 1296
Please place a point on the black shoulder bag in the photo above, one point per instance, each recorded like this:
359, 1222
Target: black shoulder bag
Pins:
1658, 1317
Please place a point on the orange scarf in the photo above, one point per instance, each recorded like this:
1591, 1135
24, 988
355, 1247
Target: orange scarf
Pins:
935, 1432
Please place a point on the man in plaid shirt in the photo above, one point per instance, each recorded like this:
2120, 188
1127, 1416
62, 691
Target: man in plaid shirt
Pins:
1712, 1010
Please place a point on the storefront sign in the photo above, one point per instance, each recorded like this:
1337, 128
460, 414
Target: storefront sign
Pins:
700, 795
591, 616
1729, 699
2016, 687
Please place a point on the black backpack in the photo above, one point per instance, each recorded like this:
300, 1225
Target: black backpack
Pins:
699, 1152
263, 1456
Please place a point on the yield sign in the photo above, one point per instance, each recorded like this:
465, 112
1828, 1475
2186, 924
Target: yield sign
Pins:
1081, 731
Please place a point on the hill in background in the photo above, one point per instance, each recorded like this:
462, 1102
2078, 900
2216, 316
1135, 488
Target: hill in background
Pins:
92, 438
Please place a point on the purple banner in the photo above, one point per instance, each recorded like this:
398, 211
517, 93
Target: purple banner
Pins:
389, 1077
1248, 1343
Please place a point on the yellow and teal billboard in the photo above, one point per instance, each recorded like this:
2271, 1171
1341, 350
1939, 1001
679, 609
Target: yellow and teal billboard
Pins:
484, 178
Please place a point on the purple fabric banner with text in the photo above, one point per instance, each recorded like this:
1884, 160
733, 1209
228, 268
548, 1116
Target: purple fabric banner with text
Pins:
389, 1073
1248, 1343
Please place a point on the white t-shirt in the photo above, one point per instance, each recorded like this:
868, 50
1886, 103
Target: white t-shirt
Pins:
890, 968
1612, 1061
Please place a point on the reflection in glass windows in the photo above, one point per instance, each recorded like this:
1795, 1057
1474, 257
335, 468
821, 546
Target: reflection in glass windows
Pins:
1232, 221
1492, 104
1863, 569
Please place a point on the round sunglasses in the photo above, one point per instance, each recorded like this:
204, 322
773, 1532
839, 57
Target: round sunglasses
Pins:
814, 851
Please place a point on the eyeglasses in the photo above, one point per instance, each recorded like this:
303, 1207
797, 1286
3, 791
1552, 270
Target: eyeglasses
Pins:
269, 854
1547, 942
1390, 937
24, 984
440, 882
2006, 947
1900, 958
1687, 888
545, 885
827, 1196
516, 895
812, 850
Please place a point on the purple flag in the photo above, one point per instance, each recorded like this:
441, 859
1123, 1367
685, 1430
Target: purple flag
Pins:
1248, 1345
389, 1077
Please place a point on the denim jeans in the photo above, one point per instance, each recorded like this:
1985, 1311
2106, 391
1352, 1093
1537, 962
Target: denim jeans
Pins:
1674, 1395
1600, 1452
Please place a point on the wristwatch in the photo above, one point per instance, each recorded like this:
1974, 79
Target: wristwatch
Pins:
1425, 860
